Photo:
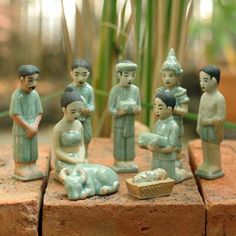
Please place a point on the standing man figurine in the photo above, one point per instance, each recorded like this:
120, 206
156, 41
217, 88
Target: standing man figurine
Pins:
124, 104
211, 116
170, 72
80, 72
26, 112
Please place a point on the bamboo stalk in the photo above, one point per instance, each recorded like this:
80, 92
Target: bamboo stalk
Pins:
184, 32
65, 30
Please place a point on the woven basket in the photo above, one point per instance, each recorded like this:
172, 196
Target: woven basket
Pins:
150, 189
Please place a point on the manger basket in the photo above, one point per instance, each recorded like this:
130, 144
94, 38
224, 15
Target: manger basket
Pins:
150, 189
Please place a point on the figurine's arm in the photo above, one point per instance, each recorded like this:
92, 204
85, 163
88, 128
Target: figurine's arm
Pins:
38, 120
171, 145
137, 109
112, 105
90, 104
181, 110
31, 130
59, 153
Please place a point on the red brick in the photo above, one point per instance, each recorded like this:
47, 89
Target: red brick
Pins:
220, 194
20, 202
182, 213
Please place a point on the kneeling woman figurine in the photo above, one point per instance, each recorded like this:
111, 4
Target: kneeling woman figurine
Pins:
80, 180
68, 138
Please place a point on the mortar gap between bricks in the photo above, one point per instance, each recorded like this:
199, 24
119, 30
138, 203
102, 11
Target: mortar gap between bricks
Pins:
44, 187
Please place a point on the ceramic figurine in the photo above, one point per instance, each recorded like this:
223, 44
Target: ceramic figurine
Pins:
124, 104
26, 113
68, 137
86, 180
170, 72
163, 141
211, 116
80, 72
148, 184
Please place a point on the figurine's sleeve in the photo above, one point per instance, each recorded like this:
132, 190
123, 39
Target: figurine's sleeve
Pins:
173, 136
183, 98
112, 102
39, 107
91, 104
15, 105
138, 98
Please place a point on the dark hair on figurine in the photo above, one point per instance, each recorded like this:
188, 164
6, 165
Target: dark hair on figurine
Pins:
213, 71
80, 63
69, 96
25, 70
168, 98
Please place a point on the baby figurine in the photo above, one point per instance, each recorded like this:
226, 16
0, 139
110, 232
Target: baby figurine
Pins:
211, 116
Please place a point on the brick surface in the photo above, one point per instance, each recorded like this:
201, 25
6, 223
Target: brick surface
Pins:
181, 213
220, 194
20, 202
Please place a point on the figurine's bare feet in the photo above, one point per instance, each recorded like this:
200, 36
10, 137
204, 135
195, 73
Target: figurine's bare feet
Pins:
34, 170
22, 170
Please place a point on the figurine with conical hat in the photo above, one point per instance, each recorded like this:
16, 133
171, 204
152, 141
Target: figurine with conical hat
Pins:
26, 112
170, 72
211, 116
80, 72
124, 104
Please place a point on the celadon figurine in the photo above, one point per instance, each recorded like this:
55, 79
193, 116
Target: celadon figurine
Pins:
68, 137
170, 73
80, 72
80, 180
26, 113
86, 180
163, 141
211, 116
148, 184
124, 104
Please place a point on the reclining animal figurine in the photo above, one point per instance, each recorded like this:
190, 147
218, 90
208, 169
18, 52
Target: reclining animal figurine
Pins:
86, 180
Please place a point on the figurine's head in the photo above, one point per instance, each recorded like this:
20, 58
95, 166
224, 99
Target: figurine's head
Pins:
171, 70
71, 103
209, 77
126, 72
28, 75
80, 71
164, 105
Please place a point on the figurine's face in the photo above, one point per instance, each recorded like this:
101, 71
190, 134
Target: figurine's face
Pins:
126, 78
80, 75
73, 110
161, 110
207, 82
29, 82
169, 79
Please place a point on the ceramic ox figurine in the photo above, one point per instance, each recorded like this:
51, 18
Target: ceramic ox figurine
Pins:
170, 73
80, 180
80, 72
124, 104
163, 141
26, 112
211, 116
